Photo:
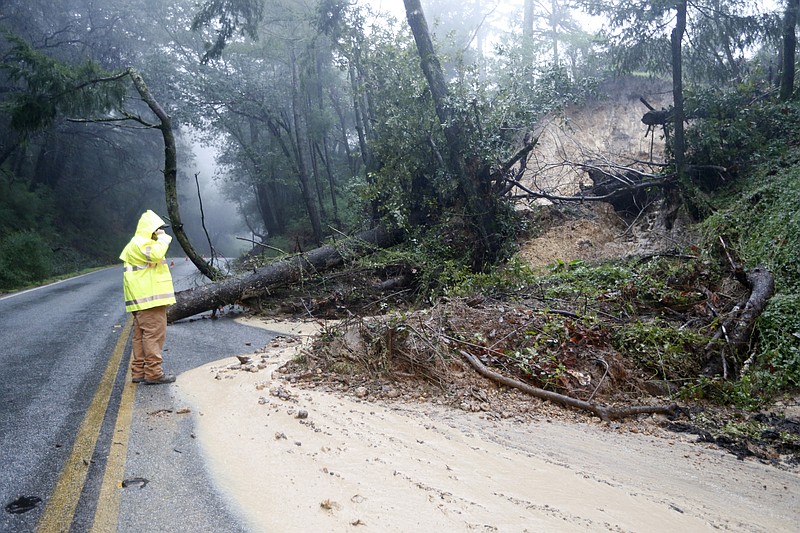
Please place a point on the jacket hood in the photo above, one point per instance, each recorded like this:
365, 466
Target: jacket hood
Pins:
148, 223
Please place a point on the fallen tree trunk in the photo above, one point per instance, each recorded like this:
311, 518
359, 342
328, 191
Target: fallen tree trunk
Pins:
738, 329
235, 290
605, 413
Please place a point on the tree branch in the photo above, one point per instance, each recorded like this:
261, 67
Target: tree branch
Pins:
603, 412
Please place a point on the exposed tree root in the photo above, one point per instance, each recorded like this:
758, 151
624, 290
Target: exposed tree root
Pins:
605, 413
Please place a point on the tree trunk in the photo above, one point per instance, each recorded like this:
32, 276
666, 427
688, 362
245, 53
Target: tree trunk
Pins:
527, 20
479, 203
762, 285
267, 208
300, 142
431, 66
789, 48
554, 10
236, 290
171, 178
318, 180
321, 146
738, 330
50, 162
678, 142
352, 160
325, 157
360, 120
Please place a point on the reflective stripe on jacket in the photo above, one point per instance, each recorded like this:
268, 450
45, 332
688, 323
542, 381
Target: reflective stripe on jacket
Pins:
147, 280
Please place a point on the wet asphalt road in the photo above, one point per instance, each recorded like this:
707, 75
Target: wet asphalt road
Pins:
55, 343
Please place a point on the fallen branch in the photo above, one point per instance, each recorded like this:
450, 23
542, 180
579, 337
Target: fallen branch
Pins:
212, 251
267, 246
762, 284
603, 412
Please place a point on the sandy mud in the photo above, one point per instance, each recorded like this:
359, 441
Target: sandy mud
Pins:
295, 459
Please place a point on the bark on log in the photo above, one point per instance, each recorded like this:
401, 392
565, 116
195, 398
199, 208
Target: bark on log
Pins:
739, 329
657, 117
662, 117
621, 190
605, 413
762, 285
234, 290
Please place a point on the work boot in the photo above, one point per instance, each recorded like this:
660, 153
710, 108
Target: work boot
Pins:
138, 380
165, 378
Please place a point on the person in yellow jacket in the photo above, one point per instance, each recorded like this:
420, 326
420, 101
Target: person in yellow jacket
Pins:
148, 291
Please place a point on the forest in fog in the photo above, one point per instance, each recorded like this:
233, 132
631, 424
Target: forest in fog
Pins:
295, 119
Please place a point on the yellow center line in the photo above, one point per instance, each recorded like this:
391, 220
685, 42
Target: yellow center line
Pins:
59, 511
107, 514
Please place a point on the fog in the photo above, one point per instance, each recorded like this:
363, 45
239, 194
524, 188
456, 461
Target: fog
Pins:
220, 216
496, 16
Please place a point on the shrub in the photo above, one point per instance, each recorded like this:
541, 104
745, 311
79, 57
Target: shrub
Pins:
778, 364
669, 353
25, 257
759, 218
738, 128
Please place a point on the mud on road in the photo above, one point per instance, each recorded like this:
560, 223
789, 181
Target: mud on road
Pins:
299, 456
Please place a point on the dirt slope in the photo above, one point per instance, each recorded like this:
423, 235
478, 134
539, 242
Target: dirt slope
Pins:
605, 129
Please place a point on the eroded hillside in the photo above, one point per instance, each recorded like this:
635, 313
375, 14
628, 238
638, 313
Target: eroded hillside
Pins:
606, 129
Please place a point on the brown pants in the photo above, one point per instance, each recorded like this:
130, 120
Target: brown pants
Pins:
149, 334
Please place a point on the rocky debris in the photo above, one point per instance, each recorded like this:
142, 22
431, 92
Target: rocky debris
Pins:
280, 392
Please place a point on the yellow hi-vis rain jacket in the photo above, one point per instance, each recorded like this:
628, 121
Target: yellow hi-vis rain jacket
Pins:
147, 280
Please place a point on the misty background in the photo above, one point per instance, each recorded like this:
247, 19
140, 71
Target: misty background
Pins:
297, 120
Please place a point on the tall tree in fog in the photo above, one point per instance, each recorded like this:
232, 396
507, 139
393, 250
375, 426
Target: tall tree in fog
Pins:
719, 35
550, 28
290, 89
460, 27
554, 19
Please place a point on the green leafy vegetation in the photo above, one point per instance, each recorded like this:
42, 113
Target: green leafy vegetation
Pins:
25, 253
758, 217
25, 257
778, 362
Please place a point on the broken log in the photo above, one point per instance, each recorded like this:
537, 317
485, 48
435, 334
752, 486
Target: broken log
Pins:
603, 412
738, 329
657, 117
235, 290
762, 285
664, 116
